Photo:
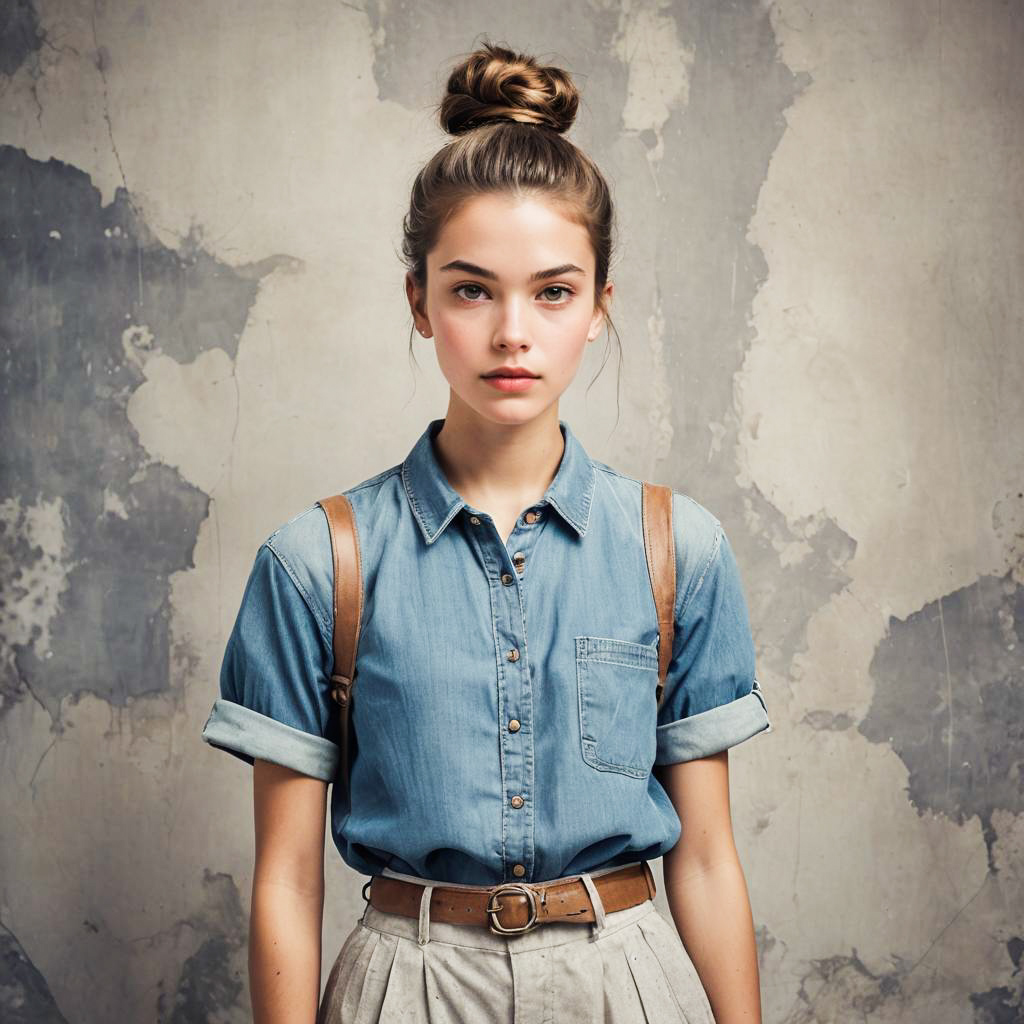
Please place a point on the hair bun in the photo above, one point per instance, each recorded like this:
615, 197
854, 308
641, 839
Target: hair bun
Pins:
496, 84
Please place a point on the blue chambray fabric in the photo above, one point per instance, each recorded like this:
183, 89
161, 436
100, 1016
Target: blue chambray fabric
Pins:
490, 669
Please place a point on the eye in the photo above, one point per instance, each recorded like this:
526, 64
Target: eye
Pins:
566, 292
475, 291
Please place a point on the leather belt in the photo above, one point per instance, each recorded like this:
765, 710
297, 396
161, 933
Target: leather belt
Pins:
513, 908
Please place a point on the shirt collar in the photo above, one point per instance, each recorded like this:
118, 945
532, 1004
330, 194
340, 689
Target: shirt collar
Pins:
435, 502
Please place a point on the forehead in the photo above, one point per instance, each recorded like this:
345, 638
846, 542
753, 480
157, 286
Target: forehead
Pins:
513, 236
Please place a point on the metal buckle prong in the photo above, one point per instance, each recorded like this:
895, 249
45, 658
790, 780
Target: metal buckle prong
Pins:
494, 907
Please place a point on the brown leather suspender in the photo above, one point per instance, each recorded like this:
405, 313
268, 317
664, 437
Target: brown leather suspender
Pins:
348, 610
659, 545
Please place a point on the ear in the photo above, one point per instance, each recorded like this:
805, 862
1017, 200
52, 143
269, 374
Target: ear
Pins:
417, 305
600, 310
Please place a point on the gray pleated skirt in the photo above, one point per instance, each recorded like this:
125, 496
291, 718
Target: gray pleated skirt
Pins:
628, 967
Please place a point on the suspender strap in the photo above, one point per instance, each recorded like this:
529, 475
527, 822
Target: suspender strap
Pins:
659, 543
348, 606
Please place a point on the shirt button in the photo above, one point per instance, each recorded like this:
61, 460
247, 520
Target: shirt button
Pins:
516, 801
508, 579
532, 517
513, 655
518, 870
519, 560
513, 725
475, 520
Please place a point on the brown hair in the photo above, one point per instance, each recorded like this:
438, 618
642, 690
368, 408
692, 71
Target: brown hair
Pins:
508, 115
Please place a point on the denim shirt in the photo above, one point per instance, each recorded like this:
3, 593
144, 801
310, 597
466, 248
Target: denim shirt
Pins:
504, 706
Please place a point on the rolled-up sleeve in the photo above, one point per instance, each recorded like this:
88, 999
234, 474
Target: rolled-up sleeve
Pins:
274, 699
713, 699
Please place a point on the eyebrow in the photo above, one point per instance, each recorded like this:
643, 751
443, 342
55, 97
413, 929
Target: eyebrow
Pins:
540, 275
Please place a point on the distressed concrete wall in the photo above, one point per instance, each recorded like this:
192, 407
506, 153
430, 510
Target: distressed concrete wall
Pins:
822, 244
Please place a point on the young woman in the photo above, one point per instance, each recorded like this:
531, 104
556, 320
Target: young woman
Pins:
509, 749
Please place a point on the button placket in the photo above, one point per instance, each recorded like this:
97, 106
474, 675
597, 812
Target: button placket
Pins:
514, 682
517, 737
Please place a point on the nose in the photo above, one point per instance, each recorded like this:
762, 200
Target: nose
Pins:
511, 329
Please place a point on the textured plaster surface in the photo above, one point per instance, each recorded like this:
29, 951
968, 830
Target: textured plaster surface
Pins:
202, 331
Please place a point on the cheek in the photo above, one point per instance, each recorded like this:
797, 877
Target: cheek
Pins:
452, 323
457, 336
571, 356
457, 345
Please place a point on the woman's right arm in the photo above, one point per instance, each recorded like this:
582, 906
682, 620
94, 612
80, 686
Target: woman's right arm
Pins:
285, 927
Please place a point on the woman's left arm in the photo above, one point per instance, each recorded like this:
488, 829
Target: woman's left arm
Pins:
706, 889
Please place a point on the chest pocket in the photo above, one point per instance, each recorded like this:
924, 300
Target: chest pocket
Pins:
617, 683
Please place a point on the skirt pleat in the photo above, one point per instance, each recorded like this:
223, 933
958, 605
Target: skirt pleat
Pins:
340, 974
663, 940
634, 971
404, 999
376, 980
622, 1000
650, 986
345, 982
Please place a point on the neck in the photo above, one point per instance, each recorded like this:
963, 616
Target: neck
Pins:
496, 465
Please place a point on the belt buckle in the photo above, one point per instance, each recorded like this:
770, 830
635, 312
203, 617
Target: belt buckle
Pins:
531, 899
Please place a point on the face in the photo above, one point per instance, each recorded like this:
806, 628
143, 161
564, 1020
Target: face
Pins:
510, 283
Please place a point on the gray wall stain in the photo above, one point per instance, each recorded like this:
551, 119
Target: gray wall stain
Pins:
1005, 1003
716, 158
1001, 1005
783, 598
415, 45
827, 720
948, 699
88, 289
1008, 525
210, 984
25, 998
838, 986
20, 34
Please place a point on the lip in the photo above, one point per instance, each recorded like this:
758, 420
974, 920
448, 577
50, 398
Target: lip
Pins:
510, 371
510, 383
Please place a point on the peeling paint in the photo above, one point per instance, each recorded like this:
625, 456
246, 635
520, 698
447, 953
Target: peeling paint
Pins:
20, 34
948, 699
211, 984
1015, 947
837, 987
659, 69
827, 720
1001, 1005
791, 570
1008, 526
25, 997
33, 572
91, 587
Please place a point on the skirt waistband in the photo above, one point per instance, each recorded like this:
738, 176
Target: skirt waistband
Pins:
555, 933
546, 881
397, 915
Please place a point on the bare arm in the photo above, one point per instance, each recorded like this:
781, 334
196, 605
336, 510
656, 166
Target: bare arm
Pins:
706, 889
285, 928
